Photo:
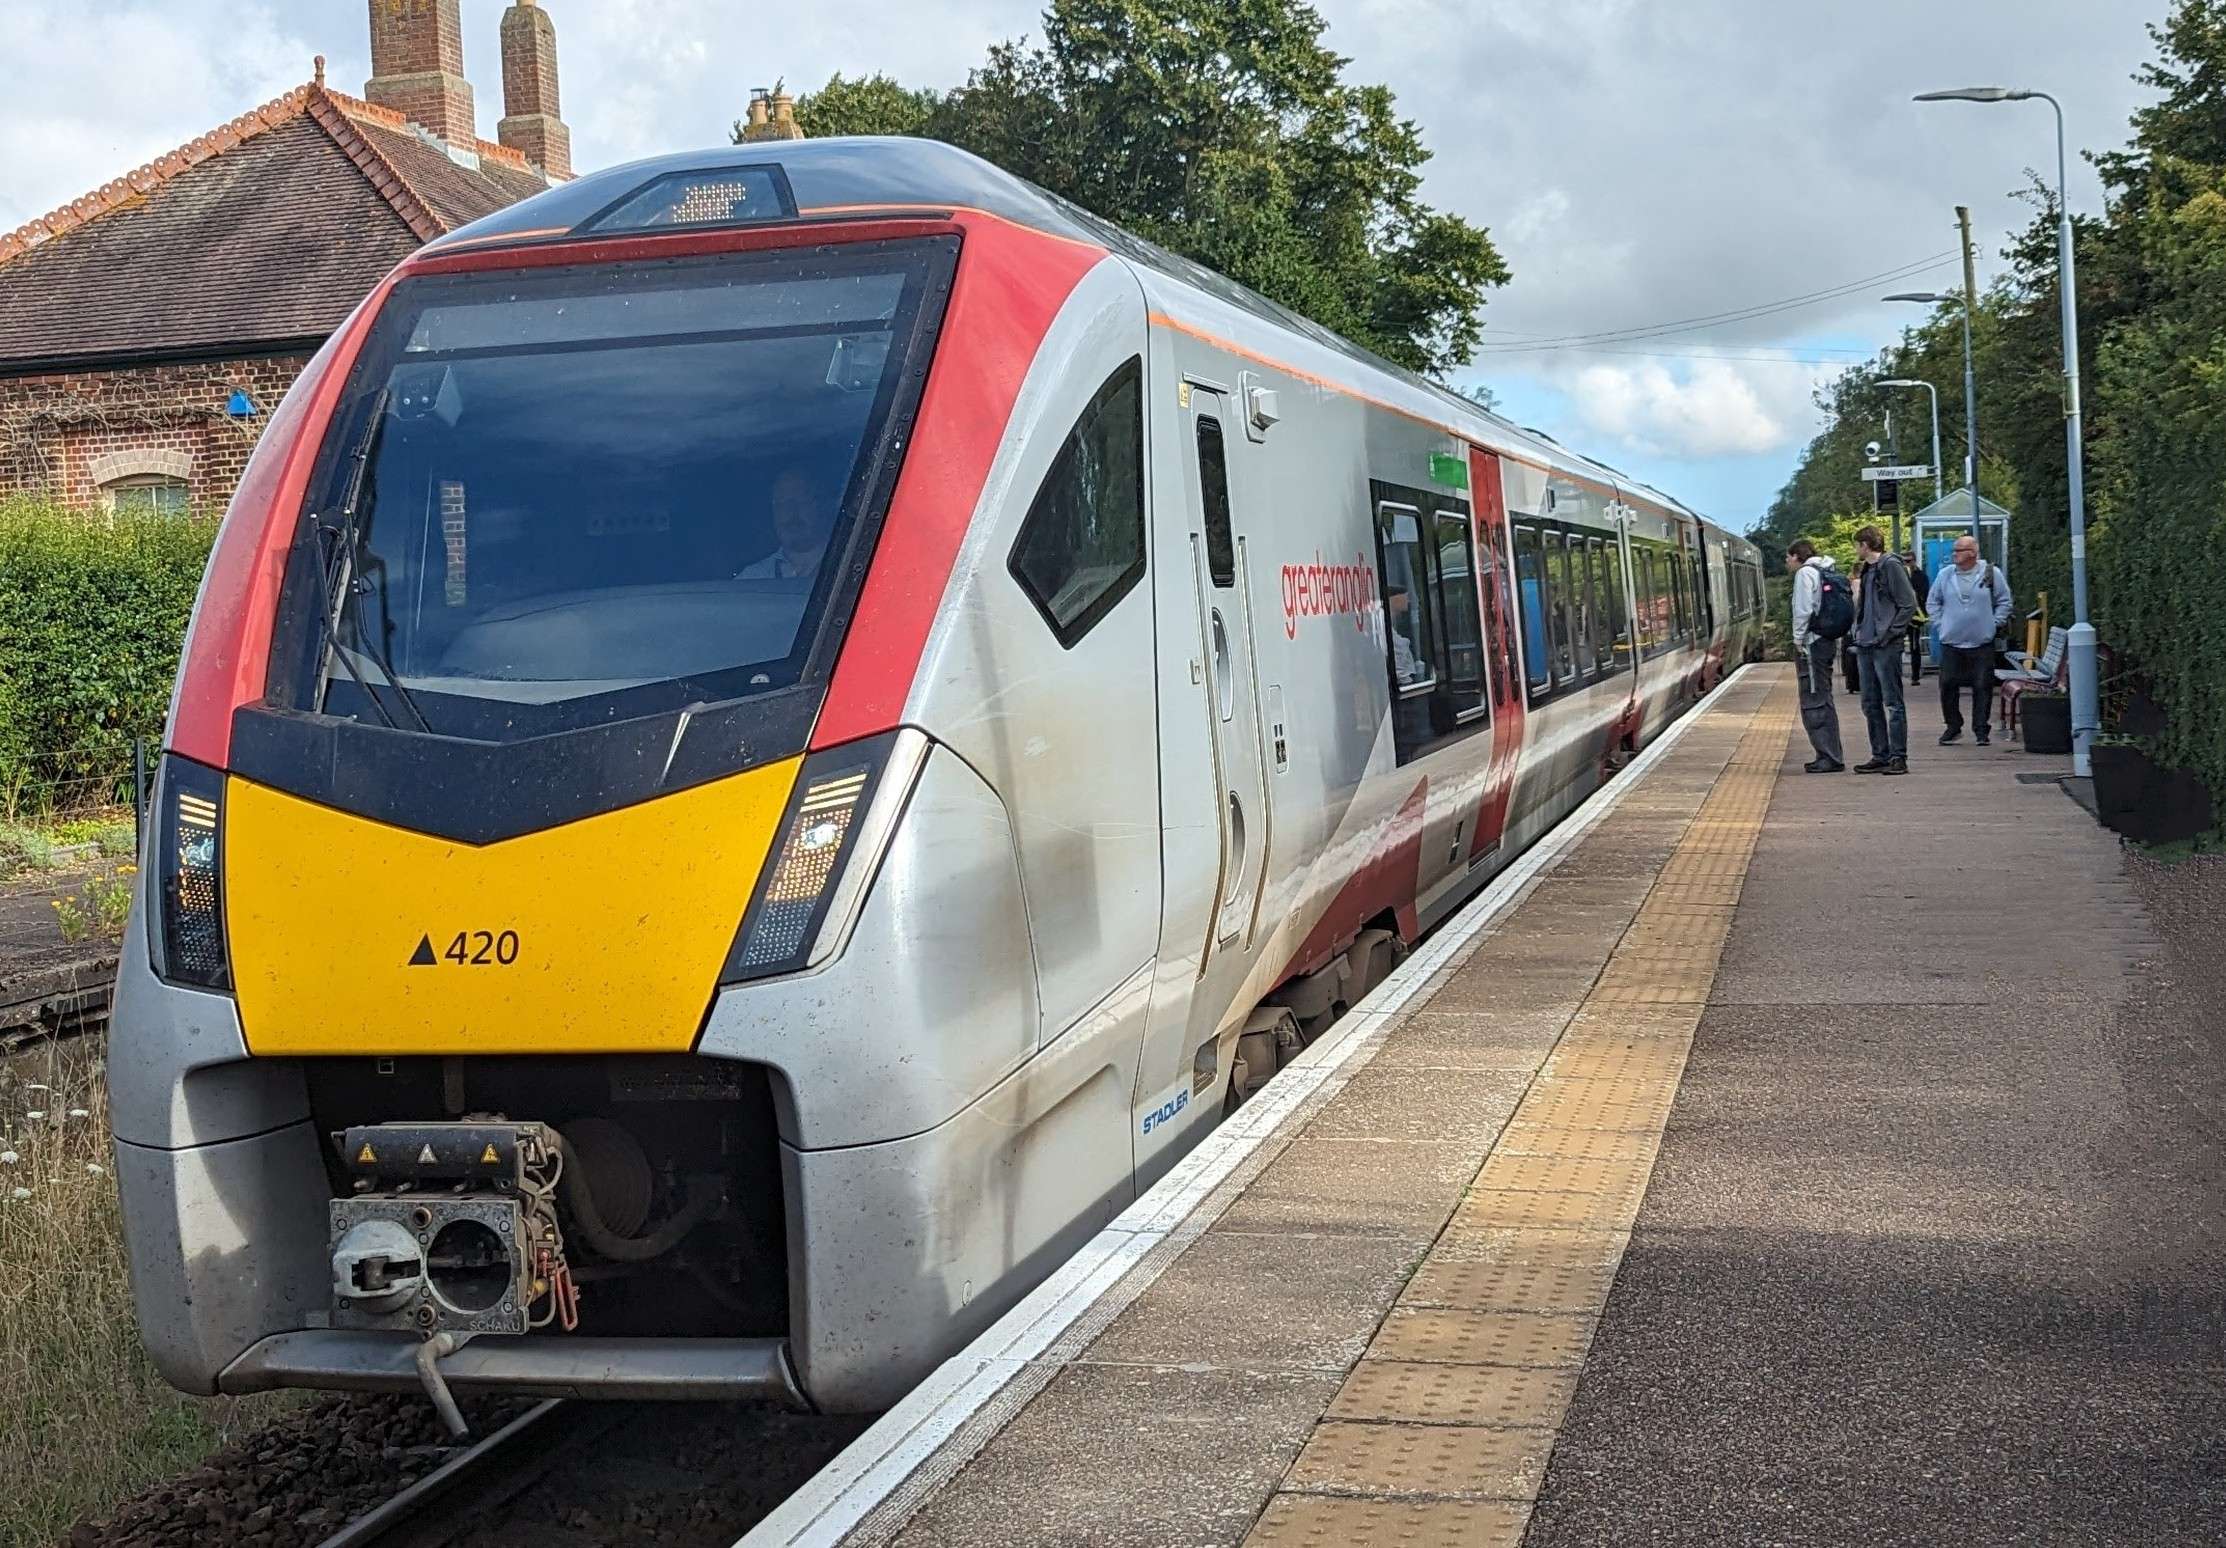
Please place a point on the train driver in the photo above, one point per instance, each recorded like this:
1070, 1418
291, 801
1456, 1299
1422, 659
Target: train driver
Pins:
800, 526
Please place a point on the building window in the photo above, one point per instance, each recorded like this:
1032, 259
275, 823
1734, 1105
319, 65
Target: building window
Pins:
151, 494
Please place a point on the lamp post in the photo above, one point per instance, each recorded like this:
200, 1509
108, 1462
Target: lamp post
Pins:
2086, 695
1970, 394
1938, 491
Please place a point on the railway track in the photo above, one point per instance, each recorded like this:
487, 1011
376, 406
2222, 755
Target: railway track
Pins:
68, 999
566, 1473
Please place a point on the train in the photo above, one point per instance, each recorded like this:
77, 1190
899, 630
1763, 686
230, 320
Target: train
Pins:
771, 735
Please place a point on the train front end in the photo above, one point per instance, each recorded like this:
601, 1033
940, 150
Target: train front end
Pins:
526, 729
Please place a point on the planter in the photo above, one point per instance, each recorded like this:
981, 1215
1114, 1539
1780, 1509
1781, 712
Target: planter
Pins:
2122, 776
2146, 802
2046, 718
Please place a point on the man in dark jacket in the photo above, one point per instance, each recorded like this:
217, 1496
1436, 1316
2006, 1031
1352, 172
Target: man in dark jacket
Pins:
1883, 609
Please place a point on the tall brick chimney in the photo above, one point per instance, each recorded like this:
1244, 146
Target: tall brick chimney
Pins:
531, 122
417, 66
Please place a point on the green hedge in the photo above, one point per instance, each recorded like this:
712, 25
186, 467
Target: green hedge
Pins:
92, 613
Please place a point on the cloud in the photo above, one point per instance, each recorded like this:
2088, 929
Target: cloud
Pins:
1710, 408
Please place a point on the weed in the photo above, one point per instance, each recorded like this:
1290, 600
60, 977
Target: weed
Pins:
99, 906
24, 849
86, 1421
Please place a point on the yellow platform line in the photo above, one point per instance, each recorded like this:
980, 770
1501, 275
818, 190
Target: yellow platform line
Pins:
1441, 1434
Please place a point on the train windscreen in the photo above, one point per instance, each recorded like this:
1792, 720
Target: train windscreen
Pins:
569, 495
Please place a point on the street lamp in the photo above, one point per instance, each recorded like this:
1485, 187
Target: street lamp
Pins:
2086, 695
1970, 393
1938, 492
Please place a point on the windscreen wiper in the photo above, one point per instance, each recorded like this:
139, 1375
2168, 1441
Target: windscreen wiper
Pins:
338, 584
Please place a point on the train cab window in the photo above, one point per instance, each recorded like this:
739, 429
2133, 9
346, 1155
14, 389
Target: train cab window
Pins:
1460, 612
1530, 579
1213, 493
1081, 548
1563, 612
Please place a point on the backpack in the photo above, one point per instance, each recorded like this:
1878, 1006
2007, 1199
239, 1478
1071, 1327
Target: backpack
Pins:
1835, 606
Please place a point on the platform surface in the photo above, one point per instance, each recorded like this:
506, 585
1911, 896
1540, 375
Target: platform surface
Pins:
1758, 1174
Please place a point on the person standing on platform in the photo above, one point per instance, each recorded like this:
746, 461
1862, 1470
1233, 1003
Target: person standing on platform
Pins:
1970, 601
1884, 605
1921, 584
1818, 589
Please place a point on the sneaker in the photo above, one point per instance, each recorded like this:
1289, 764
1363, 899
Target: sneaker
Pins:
1823, 766
1874, 766
1895, 766
1955, 734
1980, 739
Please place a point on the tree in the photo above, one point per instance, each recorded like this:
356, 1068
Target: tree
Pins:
1224, 131
870, 104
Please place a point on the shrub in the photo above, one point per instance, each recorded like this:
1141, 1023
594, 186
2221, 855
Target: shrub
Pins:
92, 613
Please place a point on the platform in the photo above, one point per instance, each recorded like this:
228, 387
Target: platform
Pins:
1754, 1163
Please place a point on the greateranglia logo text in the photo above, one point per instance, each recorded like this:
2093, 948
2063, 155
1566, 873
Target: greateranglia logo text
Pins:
1321, 590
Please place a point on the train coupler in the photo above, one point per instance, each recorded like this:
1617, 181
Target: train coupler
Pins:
450, 1229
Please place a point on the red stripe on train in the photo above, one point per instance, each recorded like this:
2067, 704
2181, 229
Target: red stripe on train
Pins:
1011, 283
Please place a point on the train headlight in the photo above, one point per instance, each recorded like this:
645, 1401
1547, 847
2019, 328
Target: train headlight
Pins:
816, 870
186, 923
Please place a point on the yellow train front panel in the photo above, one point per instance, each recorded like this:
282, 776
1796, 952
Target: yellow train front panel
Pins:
605, 935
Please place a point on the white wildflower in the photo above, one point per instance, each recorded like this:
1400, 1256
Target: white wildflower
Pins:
79, 1112
9, 1158
96, 1169
38, 1112
19, 1193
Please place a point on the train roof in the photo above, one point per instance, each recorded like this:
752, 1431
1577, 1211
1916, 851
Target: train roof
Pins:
843, 179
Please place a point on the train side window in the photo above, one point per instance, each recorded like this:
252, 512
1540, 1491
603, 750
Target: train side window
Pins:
1081, 548
1403, 553
1213, 490
1530, 578
1650, 601
1596, 588
1619, 621
1565, 659
1461, 618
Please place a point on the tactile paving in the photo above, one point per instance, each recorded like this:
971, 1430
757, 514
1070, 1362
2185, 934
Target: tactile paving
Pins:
1562, 1174
1421, 1393
1538, 1139
1334, 1521
1460, 1337
1504, 1209
1432, 1459
1569, 1285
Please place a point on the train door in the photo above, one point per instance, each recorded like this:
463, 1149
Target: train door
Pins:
1222, 579
1502, 650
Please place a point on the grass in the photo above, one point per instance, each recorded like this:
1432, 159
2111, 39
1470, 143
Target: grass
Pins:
31, 845
84, 1419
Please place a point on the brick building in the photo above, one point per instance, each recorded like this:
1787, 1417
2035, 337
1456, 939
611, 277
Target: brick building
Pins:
148, 329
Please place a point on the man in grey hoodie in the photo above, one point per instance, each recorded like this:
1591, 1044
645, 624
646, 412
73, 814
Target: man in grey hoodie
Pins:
1814, 655
1970, 602
1884, 606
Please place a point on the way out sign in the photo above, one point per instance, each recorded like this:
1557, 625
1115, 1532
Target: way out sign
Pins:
1896, 475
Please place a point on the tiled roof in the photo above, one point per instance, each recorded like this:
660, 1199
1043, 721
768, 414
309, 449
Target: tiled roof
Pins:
267, 230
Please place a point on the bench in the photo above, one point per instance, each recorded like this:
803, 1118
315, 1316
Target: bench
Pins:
2027, 674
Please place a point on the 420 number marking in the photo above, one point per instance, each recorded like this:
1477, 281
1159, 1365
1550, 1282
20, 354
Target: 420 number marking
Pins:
469, 948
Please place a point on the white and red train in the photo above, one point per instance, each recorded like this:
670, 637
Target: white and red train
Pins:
772, 734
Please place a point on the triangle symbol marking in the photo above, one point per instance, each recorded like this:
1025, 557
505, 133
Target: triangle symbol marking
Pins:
423, 956
425, 1157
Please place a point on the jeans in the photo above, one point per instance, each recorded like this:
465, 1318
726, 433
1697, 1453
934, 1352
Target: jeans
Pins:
1969, 666
1883, 711
1819, 715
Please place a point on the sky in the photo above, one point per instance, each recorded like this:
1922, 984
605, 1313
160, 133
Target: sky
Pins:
1641, 163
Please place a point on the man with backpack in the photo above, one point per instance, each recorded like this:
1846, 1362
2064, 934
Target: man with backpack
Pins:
1823, 612
1970, 602
1887, 604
